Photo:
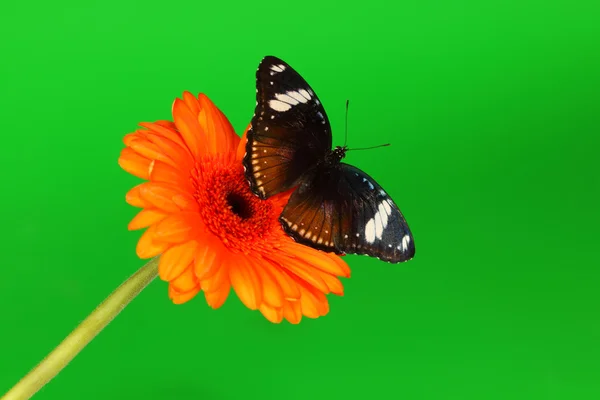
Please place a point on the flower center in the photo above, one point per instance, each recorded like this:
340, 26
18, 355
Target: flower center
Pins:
239, 205
229, 209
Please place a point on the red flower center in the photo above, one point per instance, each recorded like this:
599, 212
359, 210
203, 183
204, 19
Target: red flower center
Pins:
227, 206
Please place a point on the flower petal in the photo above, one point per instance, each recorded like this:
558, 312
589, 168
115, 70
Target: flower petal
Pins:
149, 150
132, 136
292, 311
273, 314
313, 303
146, 218
341, 263
178, 157
160, 195
175, 260
312, 276
168, 131
245, 282
190, 130
192, 102
333, 284
241, 148
271, 290
134, 163
147, 247
178, 227
186, 202
134, 198
186, 281
221, 137
216, 298
318, 259
219, 278
163, 172
286, 283
209, 256
179, 298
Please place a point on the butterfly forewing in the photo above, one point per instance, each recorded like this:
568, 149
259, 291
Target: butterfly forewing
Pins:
289, 132
344, 210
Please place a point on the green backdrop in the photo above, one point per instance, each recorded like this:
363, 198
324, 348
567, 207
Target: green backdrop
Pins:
492, 111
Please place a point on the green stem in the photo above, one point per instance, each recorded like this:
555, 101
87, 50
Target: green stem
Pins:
84, 333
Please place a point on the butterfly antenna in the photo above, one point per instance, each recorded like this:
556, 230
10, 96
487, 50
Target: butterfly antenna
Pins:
346, 128
372, 147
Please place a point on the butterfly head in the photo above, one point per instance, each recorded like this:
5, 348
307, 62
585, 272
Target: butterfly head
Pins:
337, 154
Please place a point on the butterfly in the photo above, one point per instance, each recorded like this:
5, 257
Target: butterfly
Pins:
335, 207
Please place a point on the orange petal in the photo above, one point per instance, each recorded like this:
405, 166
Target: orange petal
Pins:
134, 198
135, 164
181, 157
313, 303
219, 133
160, 195
179, 298
316, 258
292, 311
175, 260
312, 276
167, 124
146, 218
245, 282
273, 314
166, 131
216, 280
340, 262
241, 148
333, 284
215, 299
190, 130
272, 292
178, 227
192, 102
163, 172
209, 256
147, 247
149, 150
286, 283
186, 202
186, 281
131, 137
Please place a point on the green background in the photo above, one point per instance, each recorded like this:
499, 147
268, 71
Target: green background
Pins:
492, 109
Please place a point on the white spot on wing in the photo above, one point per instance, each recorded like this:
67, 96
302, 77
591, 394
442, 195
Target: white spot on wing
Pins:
279, 105
305, 94
286, 98
405, 242
387, 206
370, 231
376, 225
278, 68
298, 96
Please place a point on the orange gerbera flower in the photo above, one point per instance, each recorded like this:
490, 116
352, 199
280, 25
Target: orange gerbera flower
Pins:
210, 230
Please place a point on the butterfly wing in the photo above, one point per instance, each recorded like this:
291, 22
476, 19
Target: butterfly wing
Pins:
289, 131
342, 209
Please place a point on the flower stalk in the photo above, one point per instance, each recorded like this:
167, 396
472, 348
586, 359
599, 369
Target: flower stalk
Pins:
50, 366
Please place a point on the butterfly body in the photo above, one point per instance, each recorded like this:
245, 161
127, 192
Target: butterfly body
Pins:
335, 206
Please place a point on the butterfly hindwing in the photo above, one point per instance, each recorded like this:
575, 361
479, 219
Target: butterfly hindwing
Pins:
289, 132
342, 209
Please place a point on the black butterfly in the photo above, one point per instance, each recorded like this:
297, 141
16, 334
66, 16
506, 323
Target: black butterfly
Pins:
336, 207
